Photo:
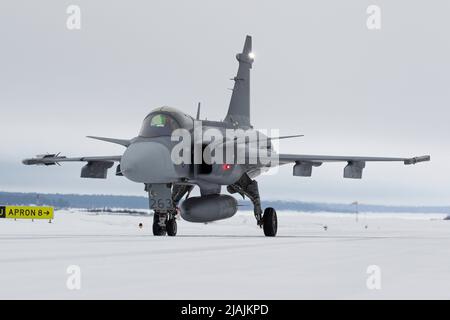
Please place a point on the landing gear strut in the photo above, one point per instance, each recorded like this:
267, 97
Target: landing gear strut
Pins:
245, 186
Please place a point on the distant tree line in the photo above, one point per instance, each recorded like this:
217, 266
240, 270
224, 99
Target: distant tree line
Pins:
73, 200
137, 202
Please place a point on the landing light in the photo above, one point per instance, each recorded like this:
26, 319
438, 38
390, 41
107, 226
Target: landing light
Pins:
251, 55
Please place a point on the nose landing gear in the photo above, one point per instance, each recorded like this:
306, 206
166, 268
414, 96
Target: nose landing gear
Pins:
163, 200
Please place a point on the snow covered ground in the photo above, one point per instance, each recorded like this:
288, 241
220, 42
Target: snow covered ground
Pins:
229, 259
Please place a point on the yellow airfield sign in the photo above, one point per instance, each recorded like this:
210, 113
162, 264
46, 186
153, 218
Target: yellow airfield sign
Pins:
26, 212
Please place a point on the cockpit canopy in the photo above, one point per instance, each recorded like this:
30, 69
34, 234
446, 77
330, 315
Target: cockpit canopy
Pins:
163, 121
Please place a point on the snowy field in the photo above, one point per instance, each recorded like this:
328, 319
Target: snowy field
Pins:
230, 259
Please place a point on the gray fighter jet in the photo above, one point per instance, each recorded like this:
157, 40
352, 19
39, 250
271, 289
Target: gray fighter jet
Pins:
149, 159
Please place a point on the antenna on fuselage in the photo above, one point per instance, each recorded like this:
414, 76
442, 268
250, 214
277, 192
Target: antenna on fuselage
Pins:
198, 111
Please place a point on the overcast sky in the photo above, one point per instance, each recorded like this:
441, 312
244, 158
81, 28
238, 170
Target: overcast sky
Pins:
318, 71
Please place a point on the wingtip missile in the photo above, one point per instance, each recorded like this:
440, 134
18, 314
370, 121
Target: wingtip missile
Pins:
415, 160
43, 159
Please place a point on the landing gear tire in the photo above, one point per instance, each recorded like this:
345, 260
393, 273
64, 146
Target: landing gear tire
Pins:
157, 229
270, 222
171, 227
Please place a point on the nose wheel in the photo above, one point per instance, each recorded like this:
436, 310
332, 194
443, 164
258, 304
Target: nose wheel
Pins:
164, 224
171, 227
159, 229
270, 222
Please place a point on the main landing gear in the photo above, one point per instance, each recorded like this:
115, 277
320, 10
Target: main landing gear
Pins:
248, 187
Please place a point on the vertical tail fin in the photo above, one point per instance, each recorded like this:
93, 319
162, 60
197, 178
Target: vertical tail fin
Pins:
198, 111
239, 109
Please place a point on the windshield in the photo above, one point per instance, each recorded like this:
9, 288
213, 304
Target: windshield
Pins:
158, 125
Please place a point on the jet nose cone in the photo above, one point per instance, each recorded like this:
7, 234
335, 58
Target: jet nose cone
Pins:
148, 162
